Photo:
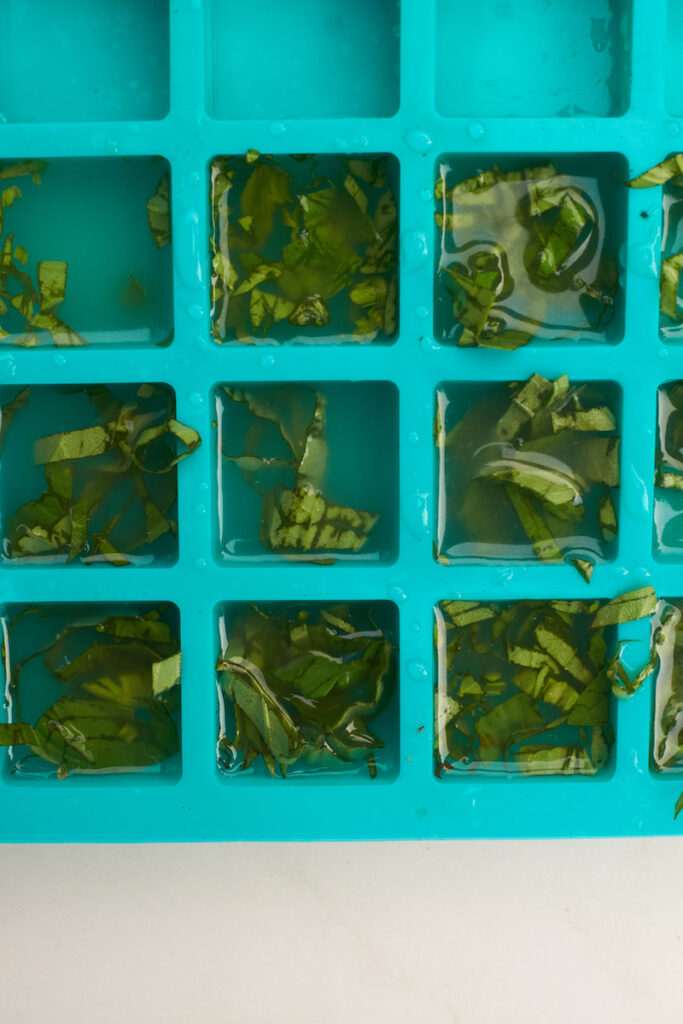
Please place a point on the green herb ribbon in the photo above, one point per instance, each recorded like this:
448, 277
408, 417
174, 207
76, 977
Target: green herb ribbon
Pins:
36, 304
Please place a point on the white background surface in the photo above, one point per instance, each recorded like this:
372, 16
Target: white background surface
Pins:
402, 933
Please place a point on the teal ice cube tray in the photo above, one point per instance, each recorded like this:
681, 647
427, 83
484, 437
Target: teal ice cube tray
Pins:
97, 89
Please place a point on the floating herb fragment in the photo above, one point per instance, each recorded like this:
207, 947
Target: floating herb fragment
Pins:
298, 687
669, 174
110, 484
285, 460
525, 686
667, 738
523, 255
528, 468
668, 478
158, 214
28, 310
109, 686
303, 246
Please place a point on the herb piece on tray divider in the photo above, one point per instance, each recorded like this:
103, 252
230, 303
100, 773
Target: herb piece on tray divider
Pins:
523, 256
525, 686
297, 516
31, 305
669, 174
300, 686
120, 676
110, 486
536, 460
303, 242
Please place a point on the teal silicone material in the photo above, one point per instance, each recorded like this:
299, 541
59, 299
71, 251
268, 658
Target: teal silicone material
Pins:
409, 118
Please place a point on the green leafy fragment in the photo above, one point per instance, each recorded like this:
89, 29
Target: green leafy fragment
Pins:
35, 304
636, 604
121, 676
302, 687
660, 173
96, 475
298, 517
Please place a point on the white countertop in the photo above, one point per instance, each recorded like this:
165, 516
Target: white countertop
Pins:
398, 933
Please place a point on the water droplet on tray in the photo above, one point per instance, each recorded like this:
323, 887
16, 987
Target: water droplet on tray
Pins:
418, 141
194, 178
673, 127
415, 249
195, 311
428, 344
277, 128
417, 671
200, 510
642, 260
200, 563
267, 362
416, 627
59, 359
196, 399
396, 593
476, 130
422, 312
413, 437
426, 194
634, 494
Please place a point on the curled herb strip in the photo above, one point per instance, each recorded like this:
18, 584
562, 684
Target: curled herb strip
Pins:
535, 461
302, 246
120, 677
296, 514
522, 256
669, 174
299, 687
28, 309
110, 485
525, 686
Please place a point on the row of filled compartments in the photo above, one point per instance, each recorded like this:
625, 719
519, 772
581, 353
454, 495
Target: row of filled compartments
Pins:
334, 58
523, 472
312, 688
305, 248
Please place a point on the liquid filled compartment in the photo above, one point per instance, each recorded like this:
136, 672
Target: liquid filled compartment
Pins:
308, 690
307, 472
91, 690
86, 252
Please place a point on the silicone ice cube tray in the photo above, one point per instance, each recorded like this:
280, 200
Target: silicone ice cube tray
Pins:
190, 79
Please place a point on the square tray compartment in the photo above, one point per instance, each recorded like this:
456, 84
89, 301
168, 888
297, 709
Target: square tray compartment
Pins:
84, 61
